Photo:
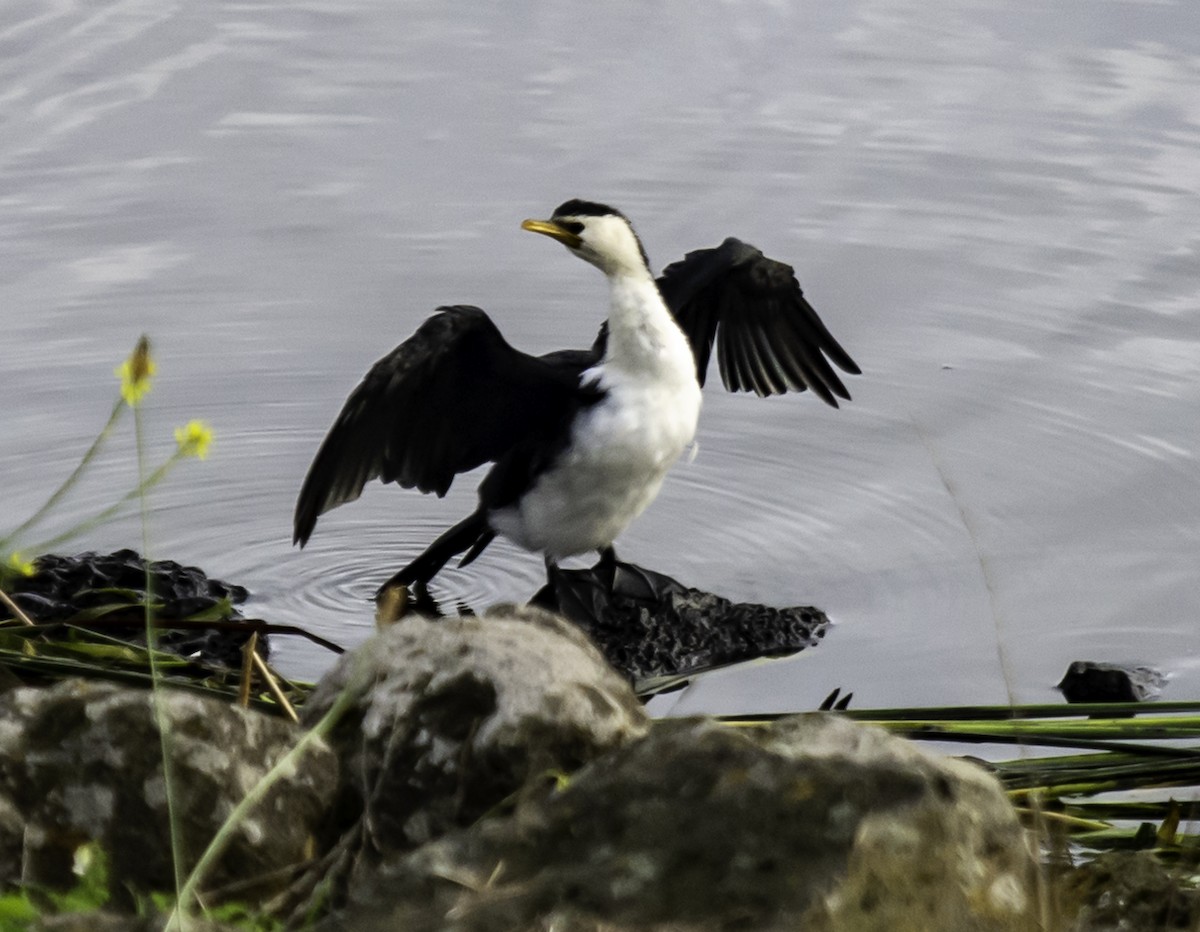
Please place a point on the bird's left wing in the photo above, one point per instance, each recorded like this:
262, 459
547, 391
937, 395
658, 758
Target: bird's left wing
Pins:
769, 339
453, 396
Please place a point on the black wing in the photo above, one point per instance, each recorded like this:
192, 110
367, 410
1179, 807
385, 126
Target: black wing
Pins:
451, 397
769, 339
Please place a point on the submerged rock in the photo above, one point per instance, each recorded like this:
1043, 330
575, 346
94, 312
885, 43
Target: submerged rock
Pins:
83, 762
812, 823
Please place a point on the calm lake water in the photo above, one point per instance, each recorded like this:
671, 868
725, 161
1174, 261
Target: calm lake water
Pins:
994, 205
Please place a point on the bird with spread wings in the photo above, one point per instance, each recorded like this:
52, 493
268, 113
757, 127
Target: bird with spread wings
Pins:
579, 439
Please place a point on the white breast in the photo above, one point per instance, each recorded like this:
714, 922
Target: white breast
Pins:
620, 452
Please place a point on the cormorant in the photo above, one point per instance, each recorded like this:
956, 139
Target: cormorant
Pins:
580, 439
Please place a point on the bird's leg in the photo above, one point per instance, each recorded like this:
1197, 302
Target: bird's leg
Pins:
551, 569
606, 569
394, 599
396, 581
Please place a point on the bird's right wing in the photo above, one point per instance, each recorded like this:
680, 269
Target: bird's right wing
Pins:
451, 397
769, 339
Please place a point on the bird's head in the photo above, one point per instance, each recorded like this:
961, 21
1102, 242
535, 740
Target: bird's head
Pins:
597, 234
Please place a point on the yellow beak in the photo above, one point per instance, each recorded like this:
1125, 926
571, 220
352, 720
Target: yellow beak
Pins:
553, 230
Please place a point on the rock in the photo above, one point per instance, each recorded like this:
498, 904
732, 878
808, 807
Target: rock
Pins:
1128, 890
62, 587
651, 626
97, 921
12, 840
82, 761
458, 714
812, 823
103, 921
1090, 681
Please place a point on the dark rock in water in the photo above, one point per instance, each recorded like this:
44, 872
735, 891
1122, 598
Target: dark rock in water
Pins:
62, 587
454, 716
650, 625
1089, 681
72, 583
812, 823
82, 762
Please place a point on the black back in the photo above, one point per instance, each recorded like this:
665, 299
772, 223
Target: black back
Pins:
451, 397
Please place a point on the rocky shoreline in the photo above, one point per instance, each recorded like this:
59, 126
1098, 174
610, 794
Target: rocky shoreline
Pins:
495, 773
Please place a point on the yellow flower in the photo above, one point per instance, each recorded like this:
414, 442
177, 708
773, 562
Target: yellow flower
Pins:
20, 565
194, 439
135, 372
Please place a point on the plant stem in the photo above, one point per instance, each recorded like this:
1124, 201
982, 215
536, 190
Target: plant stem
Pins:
157, 696
70, 481
16, 610
145, 484
284, 766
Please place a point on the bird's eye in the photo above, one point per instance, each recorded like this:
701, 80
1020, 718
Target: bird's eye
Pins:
571, 226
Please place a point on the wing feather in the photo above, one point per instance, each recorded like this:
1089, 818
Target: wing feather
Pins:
768, 338
453, 396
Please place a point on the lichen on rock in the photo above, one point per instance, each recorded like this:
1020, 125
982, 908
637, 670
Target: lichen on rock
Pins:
83, 762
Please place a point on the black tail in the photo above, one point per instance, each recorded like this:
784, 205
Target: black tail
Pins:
472, 532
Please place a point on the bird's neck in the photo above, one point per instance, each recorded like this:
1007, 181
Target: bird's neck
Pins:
643, 338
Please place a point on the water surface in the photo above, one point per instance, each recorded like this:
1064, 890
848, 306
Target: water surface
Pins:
992, 204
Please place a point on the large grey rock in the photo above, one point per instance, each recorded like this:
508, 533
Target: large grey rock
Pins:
813, 823
454, 715
82, 761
